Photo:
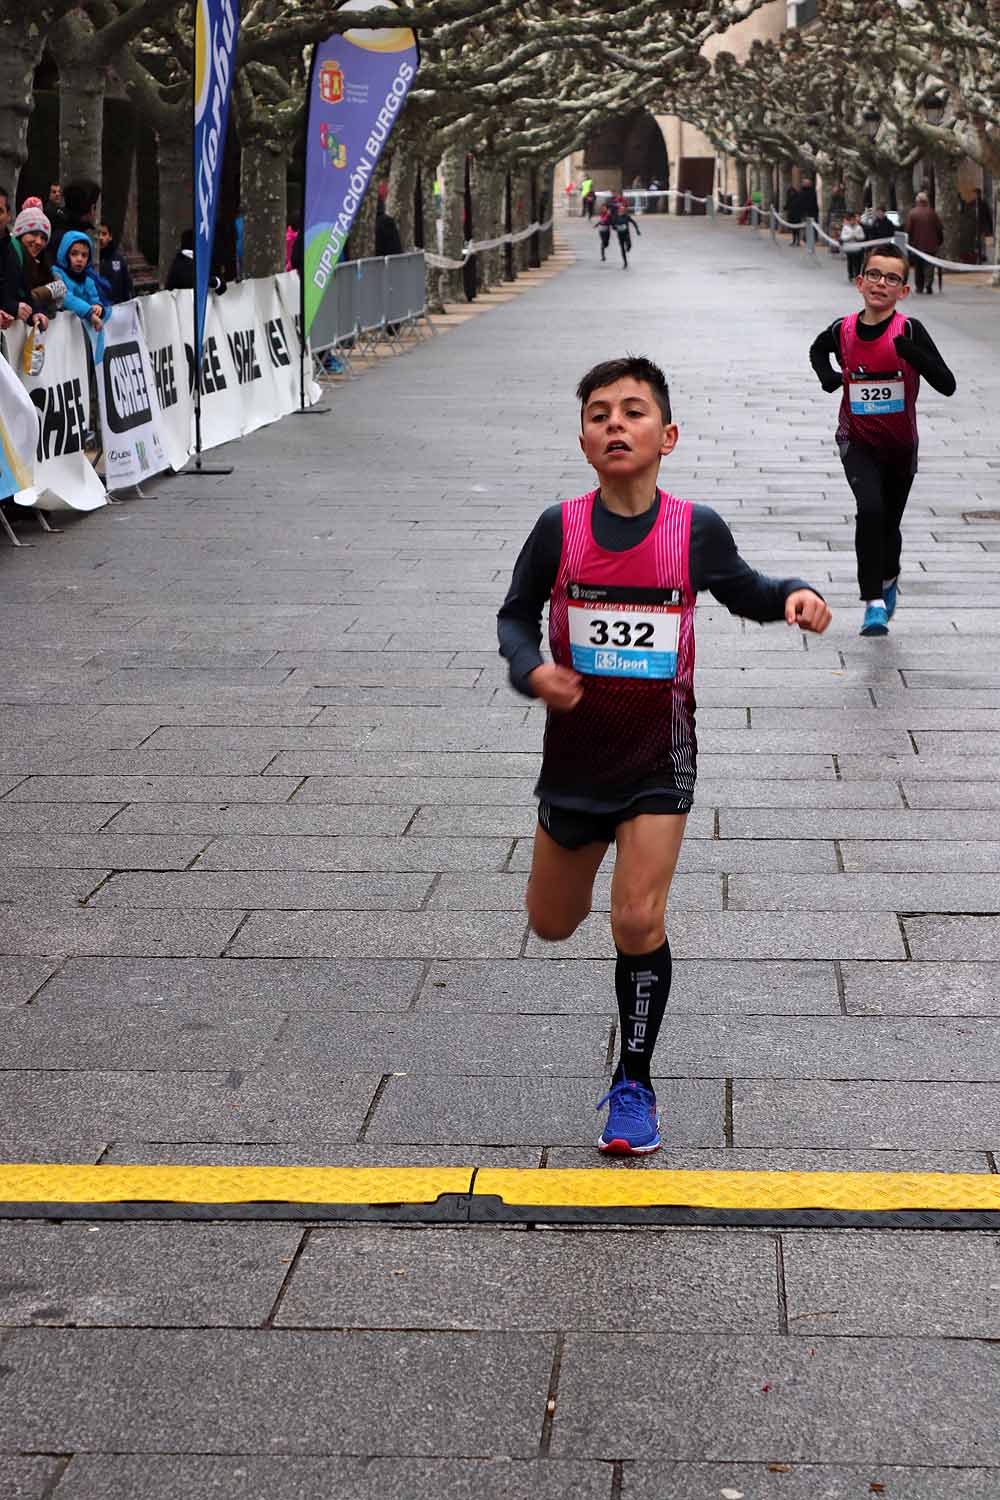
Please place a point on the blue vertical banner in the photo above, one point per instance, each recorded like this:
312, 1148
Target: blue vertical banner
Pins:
216, 32
357, 88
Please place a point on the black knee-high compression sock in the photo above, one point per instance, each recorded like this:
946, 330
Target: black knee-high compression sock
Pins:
642, 984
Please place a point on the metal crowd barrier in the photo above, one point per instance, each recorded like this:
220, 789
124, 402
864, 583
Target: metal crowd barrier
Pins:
376, 298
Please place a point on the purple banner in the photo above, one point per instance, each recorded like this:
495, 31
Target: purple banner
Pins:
358, 85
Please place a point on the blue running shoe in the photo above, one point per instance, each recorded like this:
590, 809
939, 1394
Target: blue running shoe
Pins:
889, 597
633, 1127
876, 620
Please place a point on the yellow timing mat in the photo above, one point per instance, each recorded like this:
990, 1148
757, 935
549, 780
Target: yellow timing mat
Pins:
489, 1195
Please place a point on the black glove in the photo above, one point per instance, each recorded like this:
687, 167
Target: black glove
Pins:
904, 347
831, 383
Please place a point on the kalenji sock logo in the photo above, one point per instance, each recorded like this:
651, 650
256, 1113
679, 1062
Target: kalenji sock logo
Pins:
643, 981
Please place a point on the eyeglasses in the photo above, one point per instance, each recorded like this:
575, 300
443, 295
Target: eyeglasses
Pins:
889, 277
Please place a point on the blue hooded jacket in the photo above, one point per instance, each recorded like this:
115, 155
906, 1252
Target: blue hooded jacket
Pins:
82, 292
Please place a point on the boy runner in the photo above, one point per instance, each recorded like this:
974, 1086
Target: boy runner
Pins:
621, 219
882, 356
620, 568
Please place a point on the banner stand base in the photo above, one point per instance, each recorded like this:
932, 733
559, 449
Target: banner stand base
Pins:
312, 411
197, 469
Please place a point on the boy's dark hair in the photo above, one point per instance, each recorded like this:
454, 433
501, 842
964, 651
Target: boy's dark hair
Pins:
5, 196
80, 196
891, 252
634, 366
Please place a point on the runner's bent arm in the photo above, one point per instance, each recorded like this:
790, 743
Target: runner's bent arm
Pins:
519, 621
920, 351
822, 347
716, 565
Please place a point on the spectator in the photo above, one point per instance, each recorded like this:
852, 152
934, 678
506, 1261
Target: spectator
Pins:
9, 271
793, 212
925, 232
180, 277
86, 290
40, 289
880, 226
80, 211
55, 210
808, 202
587, 196
114, 267
387, 240
292, 232
852, 234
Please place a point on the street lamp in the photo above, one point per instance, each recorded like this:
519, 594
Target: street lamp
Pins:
870, 121
934, 107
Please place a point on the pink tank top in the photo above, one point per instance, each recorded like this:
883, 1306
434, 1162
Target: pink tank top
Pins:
879, 404
625, 621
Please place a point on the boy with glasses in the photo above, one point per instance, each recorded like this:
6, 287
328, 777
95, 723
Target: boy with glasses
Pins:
882, 356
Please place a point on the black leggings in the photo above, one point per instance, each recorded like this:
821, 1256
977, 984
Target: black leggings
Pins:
881, 488
624, 244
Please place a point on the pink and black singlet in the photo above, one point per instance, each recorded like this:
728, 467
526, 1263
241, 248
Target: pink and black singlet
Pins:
625, 621
879, 405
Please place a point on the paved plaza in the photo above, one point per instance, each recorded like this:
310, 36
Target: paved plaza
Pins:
265, 820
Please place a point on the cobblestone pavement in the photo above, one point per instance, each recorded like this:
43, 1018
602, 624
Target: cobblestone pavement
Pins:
265, 813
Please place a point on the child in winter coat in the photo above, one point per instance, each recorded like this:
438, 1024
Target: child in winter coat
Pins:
86, 290
852, 238
38, 286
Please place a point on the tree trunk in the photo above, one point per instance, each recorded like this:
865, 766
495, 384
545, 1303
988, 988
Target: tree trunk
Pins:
428, 177
521, 187
489, 211
128, 238
742, 185
363, 228
880, 189
765, 174
402, 182
947, 204
784, 183
854, 184
450, 286
81, 122
507, 226
547, 178
176, 207
263, 194
21, 47
904, 192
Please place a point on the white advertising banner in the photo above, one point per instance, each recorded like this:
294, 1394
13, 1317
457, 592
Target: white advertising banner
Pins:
65, 479
18, 433
290, 293
280, 342
221, 403
171, 372
246, 343
126, 394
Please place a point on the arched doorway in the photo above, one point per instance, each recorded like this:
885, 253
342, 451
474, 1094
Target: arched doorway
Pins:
626, 147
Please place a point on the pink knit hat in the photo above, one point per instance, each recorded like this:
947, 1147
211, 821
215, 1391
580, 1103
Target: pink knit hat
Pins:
32, 220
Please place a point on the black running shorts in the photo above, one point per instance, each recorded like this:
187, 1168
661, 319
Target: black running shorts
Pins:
571, 829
